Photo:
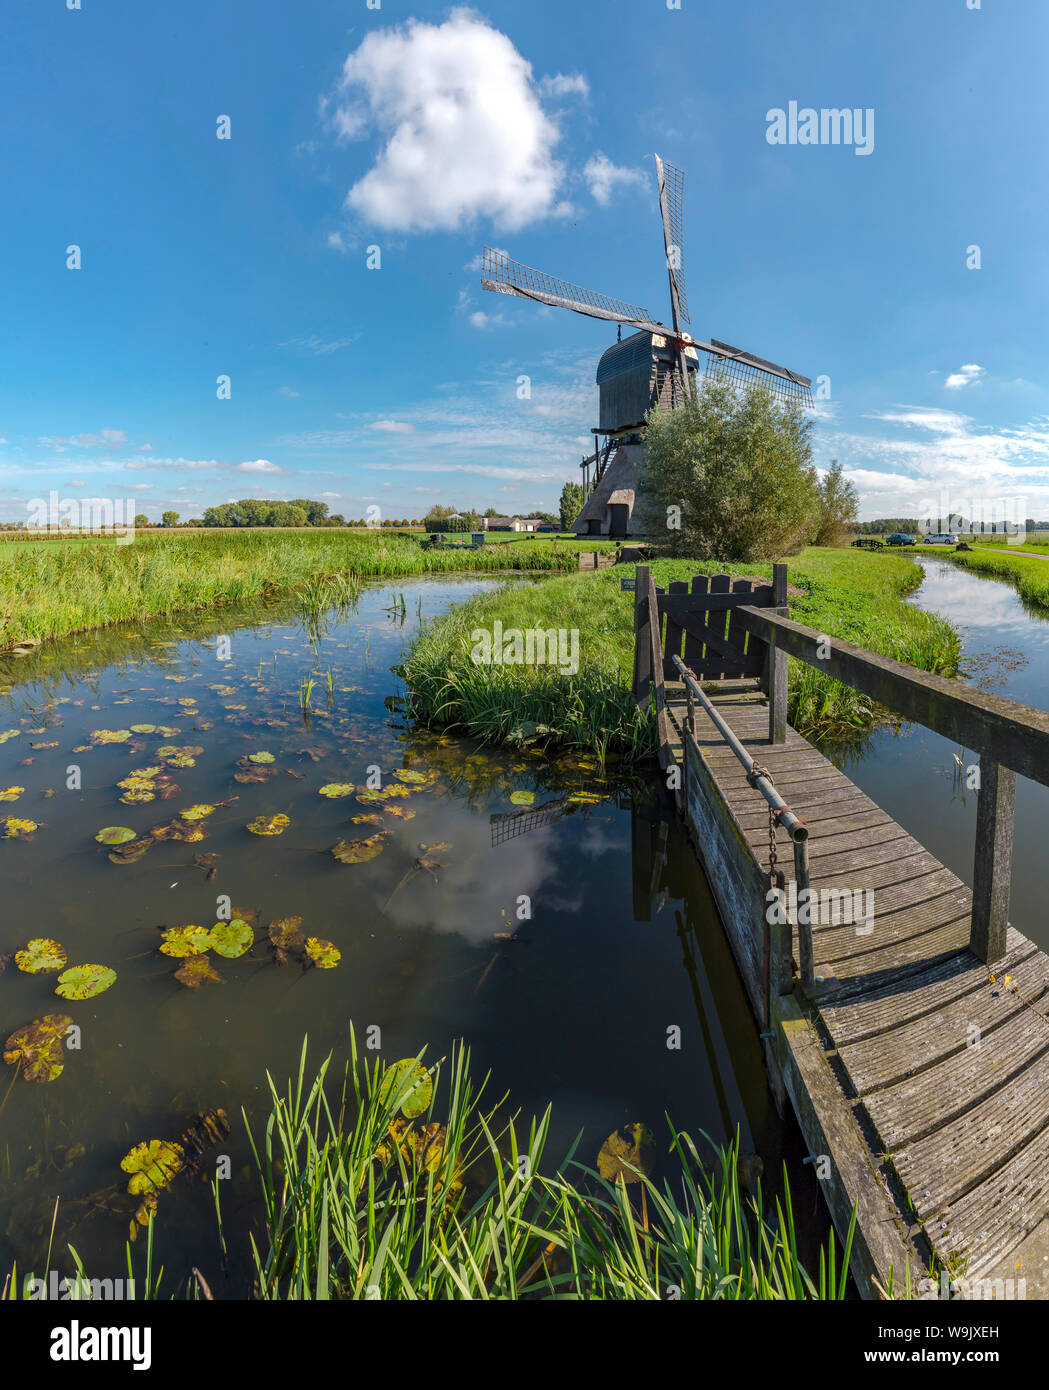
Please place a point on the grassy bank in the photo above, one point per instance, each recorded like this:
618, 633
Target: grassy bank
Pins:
1028, 572
397, 1183
51, 590
844, 593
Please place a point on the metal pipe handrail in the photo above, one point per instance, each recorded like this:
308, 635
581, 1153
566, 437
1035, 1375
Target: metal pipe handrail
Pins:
756, 776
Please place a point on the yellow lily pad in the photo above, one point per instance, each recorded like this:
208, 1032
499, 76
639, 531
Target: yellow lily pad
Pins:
114, 835
37, 1049
324, 954
269, 825
231, 939
40, 955
185, 941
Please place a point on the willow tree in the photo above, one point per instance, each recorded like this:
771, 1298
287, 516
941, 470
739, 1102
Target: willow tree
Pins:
731, 473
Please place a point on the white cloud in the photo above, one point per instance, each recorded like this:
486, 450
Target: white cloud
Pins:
288, 393
337, 242
603, 177
565, 85
320, 346
465, 134
478, 262
924, 417
111, 439
480, 319
258, 466
392, 426
964, 376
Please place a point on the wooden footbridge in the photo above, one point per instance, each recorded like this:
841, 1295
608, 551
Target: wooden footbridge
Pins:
904, 1018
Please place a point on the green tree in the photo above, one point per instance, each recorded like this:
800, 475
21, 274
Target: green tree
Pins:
141, 519
838, 502
571, 504
169, 518
737, 467
286, 514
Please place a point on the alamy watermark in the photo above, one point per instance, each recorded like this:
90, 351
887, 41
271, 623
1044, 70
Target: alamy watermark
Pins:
984, 516
533, 646
61, 515
823, 907
804, 125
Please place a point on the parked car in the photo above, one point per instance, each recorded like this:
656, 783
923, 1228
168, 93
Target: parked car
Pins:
942, 538
900, 538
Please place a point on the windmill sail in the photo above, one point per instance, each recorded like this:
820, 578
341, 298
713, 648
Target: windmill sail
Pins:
672, 208
505, 276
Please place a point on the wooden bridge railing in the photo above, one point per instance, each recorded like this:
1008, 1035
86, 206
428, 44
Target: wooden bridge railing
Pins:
1009, 737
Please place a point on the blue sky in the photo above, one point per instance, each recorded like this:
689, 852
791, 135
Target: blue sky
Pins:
427, 130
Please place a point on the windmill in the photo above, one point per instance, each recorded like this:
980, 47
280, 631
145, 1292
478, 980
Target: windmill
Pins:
654, 366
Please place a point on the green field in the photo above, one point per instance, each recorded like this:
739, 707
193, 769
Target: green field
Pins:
847, 594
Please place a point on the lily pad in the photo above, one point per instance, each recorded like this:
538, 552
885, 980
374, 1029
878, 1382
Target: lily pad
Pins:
336, 789
324, 954
144, 729
186, 941
231, 939
110, 735
41, 955
399, 812
261, 758
358, 851
408, 1084
197, 812
269, 825
115, 835
38, 1047
84, 981
197, 971
184, 831
16, 829
368, 818
152, 1165
131, 852
416, 779
285, 933
629, 1148
11, 793
522, 798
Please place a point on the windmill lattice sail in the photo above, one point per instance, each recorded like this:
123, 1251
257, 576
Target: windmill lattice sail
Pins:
506, 276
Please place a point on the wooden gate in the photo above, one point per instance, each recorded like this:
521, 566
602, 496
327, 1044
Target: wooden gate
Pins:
698, 622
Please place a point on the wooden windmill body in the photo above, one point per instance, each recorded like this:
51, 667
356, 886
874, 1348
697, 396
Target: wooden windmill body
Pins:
655, 366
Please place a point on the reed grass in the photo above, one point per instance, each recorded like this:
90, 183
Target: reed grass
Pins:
847, 594
461, 1205
351, 1214
52, 590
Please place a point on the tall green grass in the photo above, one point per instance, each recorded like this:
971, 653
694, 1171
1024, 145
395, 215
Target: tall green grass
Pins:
847, 594
460, 1204
353, 1213
51, 590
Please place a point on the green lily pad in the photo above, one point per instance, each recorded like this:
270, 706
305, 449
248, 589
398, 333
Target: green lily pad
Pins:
197, 971
197, 812
231, 939
37, 1049
407, 1083
416, 779
261, 758
110, 735
152, 1165
630, 1147
269, 825
336, 789
324, 954
144, 729
115, 835
186, 941
84, 981
40, 956
522, 798
358, 851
